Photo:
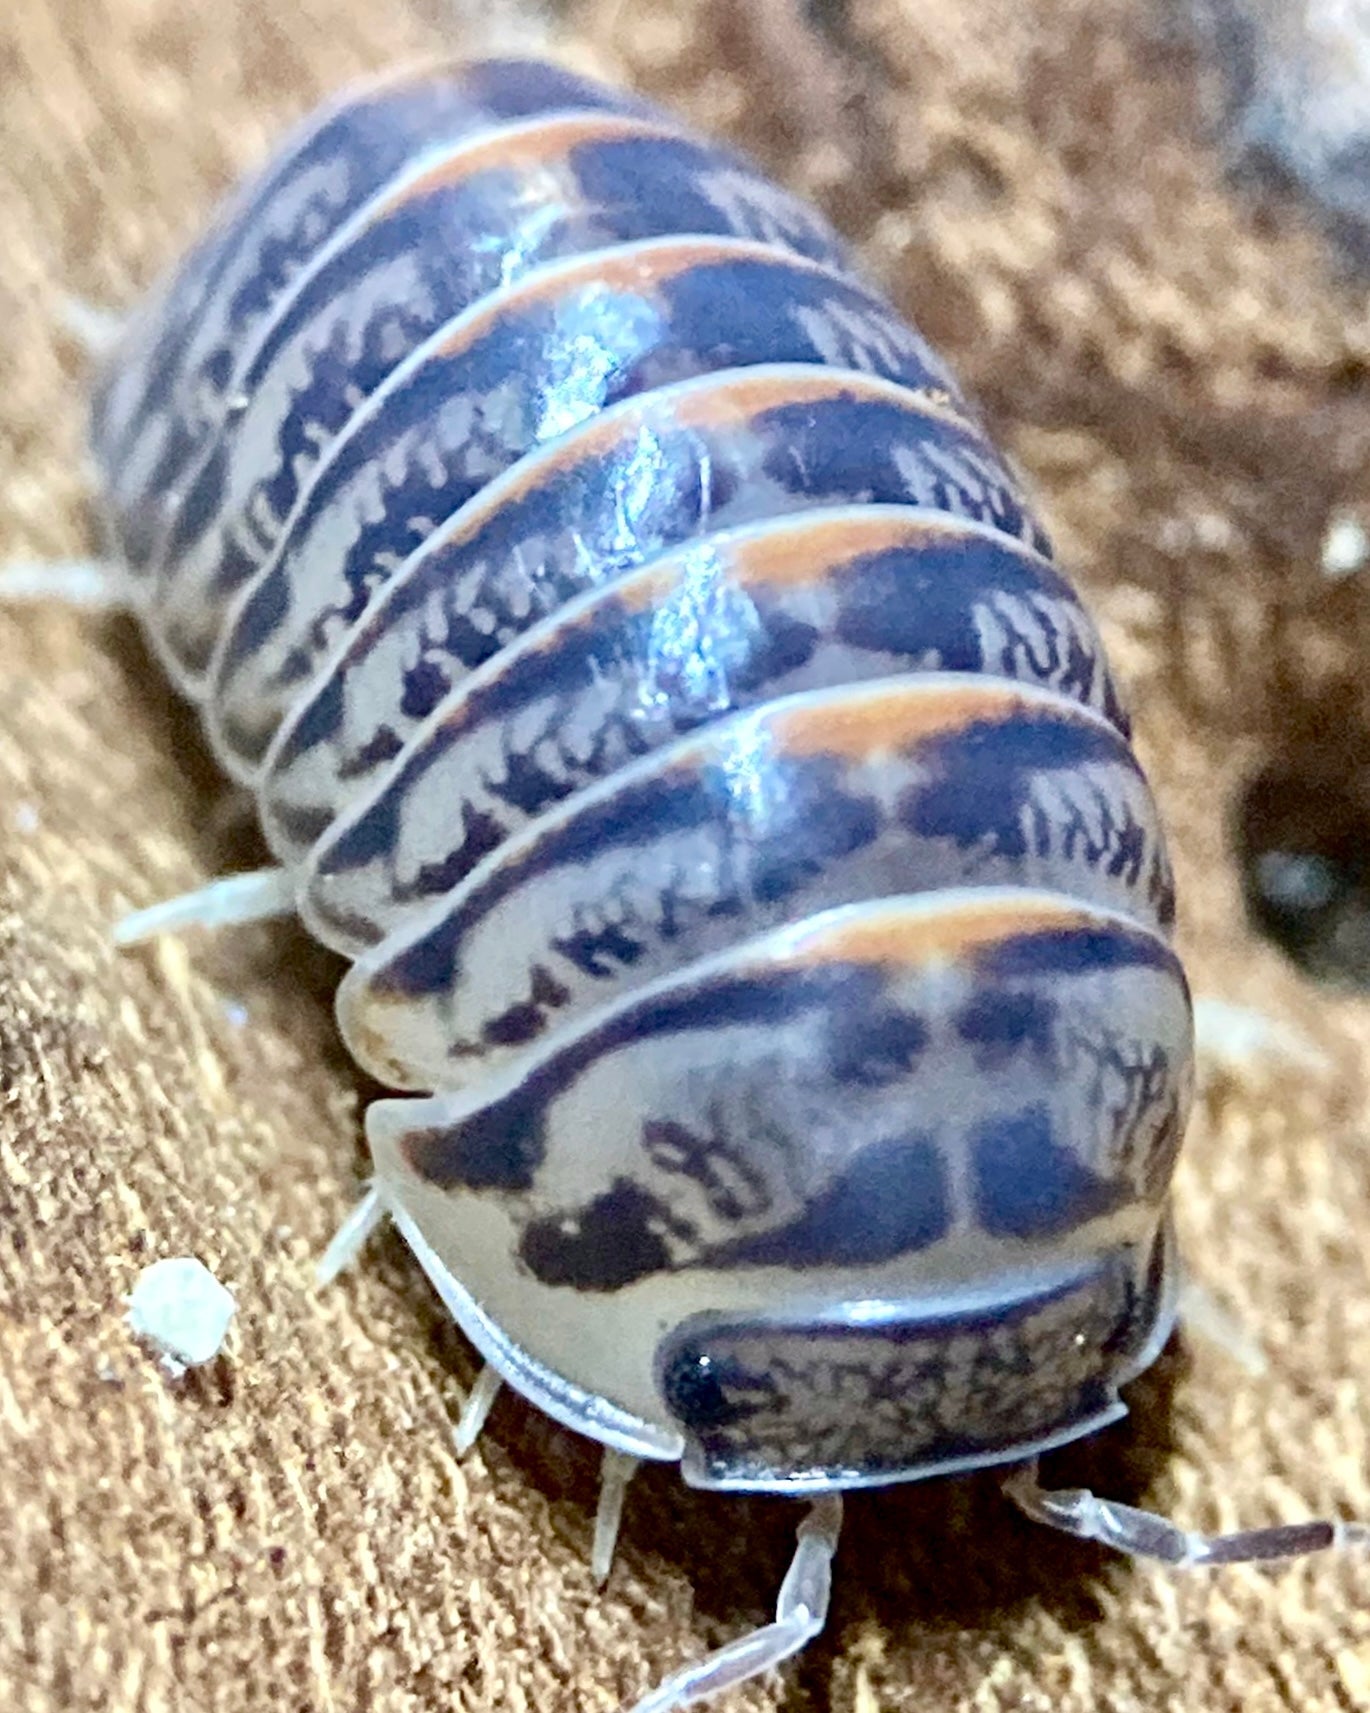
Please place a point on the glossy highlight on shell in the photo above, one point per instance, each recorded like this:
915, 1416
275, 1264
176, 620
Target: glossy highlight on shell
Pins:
656, 684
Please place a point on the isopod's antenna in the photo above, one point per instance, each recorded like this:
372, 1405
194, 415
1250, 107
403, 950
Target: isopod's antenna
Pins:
258, 895
92, 584
800, 1613
1142, 1534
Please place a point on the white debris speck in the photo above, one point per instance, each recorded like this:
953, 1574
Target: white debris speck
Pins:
1345, 547
235, 1013
25, 818
182, 1311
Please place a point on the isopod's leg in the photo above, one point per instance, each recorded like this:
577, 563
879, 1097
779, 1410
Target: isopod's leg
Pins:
1237, 1038
1201, 1312
94, 328
94, 584
258, 896
800, 1614
479, 1402
1076, 1511
351, 1237
616, 1472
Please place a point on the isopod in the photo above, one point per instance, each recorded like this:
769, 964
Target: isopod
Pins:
654, 682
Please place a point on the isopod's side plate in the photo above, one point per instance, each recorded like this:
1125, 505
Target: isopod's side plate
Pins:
786, 607
645, 476
927, 1103
166, 385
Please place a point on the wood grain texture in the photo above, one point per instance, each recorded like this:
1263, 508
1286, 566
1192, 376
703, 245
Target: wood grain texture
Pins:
1184, 374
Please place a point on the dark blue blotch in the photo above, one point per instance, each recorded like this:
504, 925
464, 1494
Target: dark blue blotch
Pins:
814, 825
1084, 950
422, 687
651, 186
768, 1000
601, 952
750, 310
923, 601
263, 617
370, 838
1028, 1184
614, 1240
302, 824
200, 505
524, 1022
861, 447
477, 836
890, 1200
983, 775
562, 668
873, 1045
497, 1147
997, 1025
522, 88
706, 1391
319, 721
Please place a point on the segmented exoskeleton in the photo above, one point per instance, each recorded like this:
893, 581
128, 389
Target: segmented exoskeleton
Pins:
653, 680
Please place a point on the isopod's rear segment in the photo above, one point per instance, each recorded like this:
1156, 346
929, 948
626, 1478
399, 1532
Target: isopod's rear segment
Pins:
873, 1196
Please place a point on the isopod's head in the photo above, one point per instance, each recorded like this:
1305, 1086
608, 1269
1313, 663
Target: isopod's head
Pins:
876, 1196
870, 1391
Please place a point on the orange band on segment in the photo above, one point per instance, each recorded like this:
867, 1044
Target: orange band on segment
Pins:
752, 391
730, 402
543, 143
914, 935
647, 266
809, 546
885, 716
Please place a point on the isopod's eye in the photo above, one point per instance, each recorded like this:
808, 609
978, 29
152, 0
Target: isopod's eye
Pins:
1304, 846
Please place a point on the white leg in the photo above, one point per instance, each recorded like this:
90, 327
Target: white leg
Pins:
477, 1407
800, 1614
259, 896
351, 1237
1201, 1312
91, 583
1237, 1038
1142, 1534
95, 329
616, 1471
